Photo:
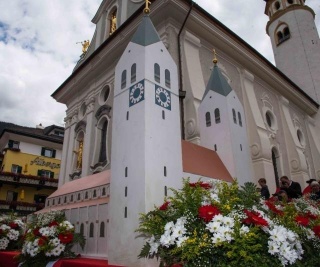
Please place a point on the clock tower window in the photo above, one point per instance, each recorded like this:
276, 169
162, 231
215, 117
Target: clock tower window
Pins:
157, 72
208, 119
124, 79
217, 115
167, 78
133, 72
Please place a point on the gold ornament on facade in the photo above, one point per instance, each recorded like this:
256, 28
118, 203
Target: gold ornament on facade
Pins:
85, 45
147, 9
79, 155
215, 60
113, 22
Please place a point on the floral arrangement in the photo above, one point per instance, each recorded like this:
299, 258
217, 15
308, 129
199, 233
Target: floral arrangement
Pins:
224, 225
49, 237
11, 232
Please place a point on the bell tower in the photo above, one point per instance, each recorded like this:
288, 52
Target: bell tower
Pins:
295, 43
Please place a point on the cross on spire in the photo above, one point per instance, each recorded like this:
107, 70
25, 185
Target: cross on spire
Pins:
215, 60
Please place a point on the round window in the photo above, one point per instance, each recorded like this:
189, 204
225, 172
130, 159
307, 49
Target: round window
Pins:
277, 5
290, 2
104, 94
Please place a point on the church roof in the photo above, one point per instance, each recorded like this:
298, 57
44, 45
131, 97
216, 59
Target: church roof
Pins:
217, 83
204, 162
146, 34
84, 183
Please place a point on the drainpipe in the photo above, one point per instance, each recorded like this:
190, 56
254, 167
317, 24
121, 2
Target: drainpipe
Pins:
182, 93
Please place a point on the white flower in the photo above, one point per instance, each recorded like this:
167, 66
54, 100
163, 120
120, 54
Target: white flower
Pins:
165, 240
244, 230
181, 240
228, 221
67, 225
4, 242
13, 234
55, 241
178, 231
169, 226
213, 226
153, 245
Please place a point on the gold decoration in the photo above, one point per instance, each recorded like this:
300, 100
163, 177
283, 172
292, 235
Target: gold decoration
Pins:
113, 22
215, 60
147, 9
22, 194
85, 45
79, 155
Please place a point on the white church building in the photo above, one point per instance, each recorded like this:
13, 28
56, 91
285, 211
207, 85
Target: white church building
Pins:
146, 106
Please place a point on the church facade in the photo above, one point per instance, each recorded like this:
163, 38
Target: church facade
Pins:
147, 82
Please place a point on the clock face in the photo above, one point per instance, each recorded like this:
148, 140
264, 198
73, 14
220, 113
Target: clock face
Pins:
136, 93
163, 97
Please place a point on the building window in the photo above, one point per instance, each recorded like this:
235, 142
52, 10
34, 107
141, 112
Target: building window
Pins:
270, 120
103, 142
208, 119
102, 229
167, 78
157, 72
94, 193
79, 196
71, 198
283, 35
234, 116
91, 230
165, 171
86, 195
48, 152
127, 115
163, 115
165, 191
13, 144
215, 147
125, 212
277, 5
45, 174
239, 119
103, 191
300, 137
82, 229
16, 168
133, 72
217, 116
290, 2
124, 79
126, 172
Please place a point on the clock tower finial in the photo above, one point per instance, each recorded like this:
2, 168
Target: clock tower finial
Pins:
215, 60
147, 9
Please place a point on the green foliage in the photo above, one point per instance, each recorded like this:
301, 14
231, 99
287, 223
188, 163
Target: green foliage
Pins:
224, 225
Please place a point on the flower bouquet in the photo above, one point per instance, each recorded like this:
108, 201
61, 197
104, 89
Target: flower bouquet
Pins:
221, 225
11, 231
49, 237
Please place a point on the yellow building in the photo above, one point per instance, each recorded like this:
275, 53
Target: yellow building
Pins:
30, 164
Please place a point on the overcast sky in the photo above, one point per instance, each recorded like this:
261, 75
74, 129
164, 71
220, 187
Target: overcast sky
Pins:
38, 48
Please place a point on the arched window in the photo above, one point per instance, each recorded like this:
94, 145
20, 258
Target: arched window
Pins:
217, 116
234, 116
286, 33
102, 229
91, 230
157, 72
133, 72
124, 79
82, 229
277, 5
167, 78
239, 119
103, 142
208, 119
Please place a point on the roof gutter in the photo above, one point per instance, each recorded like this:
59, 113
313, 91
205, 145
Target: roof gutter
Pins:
182, 93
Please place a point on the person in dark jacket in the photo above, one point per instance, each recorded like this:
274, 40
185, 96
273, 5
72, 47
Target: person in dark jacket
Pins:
264, 191
292, 188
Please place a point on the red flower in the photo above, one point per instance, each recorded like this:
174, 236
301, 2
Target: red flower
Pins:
36, 232
201, 184
164, 206
53, 223
13, 225
208, 212
273, 208
65, 238
316, 230
177, 265
311, 216
254, 218
302, 220
42, 241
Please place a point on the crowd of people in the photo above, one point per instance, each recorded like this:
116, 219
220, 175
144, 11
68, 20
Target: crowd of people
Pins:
289, 189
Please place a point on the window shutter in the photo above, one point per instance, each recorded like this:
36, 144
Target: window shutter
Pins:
42, 151
19, 169
53, 153
10, 143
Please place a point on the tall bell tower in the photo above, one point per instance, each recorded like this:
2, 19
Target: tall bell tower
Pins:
146, 146
295, 43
